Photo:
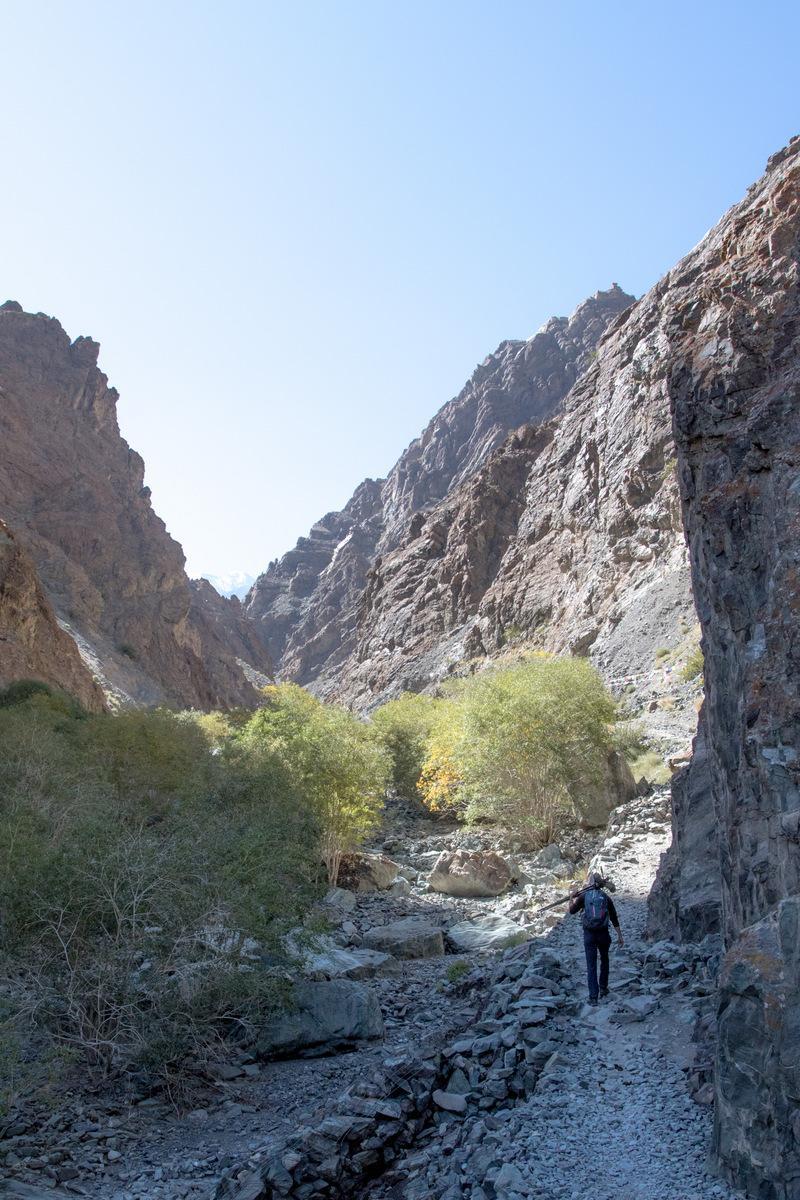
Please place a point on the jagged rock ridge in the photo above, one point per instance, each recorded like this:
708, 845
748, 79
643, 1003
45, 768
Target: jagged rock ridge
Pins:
73, 491
568, 536
309, 601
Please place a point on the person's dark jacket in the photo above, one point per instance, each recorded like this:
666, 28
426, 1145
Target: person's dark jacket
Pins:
577, 904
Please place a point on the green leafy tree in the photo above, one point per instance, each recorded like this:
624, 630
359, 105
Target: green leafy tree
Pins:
141, 875
332, 758
403, 727
522, 744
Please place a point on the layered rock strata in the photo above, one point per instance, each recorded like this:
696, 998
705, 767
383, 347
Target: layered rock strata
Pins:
311, 602
74, 491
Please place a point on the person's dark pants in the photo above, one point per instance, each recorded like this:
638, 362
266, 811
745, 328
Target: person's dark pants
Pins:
596, 941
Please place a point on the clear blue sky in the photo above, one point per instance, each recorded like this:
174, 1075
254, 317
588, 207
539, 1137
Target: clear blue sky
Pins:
295, 228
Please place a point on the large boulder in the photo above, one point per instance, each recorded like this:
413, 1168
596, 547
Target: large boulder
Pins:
471, 873
337, 962
328, 1014
412, 937
367, 872
491, 932
616, 787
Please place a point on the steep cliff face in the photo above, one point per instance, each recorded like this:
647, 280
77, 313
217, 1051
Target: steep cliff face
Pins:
309, 601
32, 644
569, 535
735, 392
74, 491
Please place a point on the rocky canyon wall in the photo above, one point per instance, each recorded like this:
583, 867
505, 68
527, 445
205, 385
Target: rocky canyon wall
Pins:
311, 603
735, 395
32, 643
569, 537
73, 492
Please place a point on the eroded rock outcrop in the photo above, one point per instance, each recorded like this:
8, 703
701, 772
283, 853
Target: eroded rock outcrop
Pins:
685, 903
311, 602
74, 492
32, 643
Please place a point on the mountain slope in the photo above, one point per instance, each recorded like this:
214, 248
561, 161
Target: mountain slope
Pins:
309, 600
569, 536
32, 644
74, 491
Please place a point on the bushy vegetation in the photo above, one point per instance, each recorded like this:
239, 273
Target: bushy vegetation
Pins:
151, 862
403, 728
694, 665
150, 865
650, 765
331, 757
522, 745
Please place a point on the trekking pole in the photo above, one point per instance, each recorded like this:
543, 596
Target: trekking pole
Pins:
606, 884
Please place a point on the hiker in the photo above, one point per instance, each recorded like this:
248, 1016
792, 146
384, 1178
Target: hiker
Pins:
598, 909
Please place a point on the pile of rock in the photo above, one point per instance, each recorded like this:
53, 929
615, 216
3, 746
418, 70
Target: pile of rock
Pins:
522, 1007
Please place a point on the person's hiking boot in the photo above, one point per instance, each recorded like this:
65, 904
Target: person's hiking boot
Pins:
603, 993
593, 1001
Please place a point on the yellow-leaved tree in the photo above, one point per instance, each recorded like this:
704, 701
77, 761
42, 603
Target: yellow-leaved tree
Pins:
522, 745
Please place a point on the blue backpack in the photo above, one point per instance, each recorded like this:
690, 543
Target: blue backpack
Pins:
595, 909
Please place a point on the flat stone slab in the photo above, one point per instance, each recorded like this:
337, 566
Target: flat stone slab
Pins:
336, 962
485, 933
450, 1101
325, 1014
409, 938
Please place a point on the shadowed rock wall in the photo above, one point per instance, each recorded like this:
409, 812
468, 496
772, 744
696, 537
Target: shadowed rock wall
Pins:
735, 394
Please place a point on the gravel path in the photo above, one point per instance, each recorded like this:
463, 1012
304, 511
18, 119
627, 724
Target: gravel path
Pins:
611, 1118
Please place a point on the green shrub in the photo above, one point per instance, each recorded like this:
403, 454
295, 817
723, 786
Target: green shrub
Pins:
332, 758
142, 877
650, 765
457, 970
630, 739
402, 727
662, 652
693, 667
22, 690
48, 698
521, 745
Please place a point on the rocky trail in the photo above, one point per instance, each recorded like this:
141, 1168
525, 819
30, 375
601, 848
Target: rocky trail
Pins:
528, 1091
